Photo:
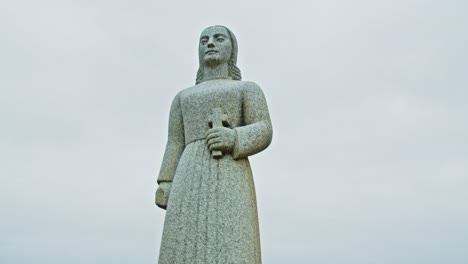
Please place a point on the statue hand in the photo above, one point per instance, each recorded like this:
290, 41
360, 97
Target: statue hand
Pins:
221, 138
162, 194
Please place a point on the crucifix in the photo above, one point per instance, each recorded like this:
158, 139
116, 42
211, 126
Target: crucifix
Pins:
217, 119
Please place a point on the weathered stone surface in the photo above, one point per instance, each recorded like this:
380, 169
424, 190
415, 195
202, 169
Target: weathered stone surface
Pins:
205, 181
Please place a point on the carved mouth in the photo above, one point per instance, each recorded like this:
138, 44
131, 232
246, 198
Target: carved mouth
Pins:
211, 52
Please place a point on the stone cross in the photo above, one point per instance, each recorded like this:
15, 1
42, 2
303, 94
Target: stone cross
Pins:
217, 119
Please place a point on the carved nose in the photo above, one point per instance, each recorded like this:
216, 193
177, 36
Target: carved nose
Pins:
210, 45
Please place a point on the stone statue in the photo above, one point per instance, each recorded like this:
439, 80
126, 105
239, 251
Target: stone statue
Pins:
205, 182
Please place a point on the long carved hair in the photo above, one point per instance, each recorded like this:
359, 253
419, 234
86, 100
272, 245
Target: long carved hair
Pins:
233, 71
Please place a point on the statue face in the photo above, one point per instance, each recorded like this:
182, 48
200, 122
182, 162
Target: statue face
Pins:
215, 45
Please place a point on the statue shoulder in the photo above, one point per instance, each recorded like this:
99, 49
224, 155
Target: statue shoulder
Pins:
185, 90
178, 97
249, 87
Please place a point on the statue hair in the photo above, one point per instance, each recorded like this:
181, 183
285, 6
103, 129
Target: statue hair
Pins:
233, 71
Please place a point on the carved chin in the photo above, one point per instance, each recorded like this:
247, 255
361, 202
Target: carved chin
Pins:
210, 59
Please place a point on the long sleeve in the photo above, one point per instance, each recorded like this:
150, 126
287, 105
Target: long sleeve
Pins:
175, 143
256, 133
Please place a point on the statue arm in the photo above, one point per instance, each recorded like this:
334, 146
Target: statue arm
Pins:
256, 134
174, 148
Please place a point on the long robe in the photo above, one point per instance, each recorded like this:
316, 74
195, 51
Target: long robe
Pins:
212, 210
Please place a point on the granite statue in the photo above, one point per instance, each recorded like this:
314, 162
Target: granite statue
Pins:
205, 181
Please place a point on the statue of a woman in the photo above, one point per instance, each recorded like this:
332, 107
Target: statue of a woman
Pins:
205, 181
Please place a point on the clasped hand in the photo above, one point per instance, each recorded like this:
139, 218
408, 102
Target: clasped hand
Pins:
221, 138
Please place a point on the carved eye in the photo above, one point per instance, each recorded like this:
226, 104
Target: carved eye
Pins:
220, 39
203, 41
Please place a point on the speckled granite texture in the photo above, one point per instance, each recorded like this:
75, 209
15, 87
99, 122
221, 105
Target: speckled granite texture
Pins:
211, 206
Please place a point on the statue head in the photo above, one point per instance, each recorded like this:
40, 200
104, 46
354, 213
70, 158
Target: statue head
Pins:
218, 45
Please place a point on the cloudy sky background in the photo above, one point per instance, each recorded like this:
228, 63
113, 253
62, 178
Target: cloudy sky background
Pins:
369, 161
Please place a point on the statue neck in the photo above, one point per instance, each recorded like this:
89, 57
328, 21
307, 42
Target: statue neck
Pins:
218, 71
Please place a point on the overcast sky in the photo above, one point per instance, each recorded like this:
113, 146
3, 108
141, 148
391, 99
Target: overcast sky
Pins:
368, 99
